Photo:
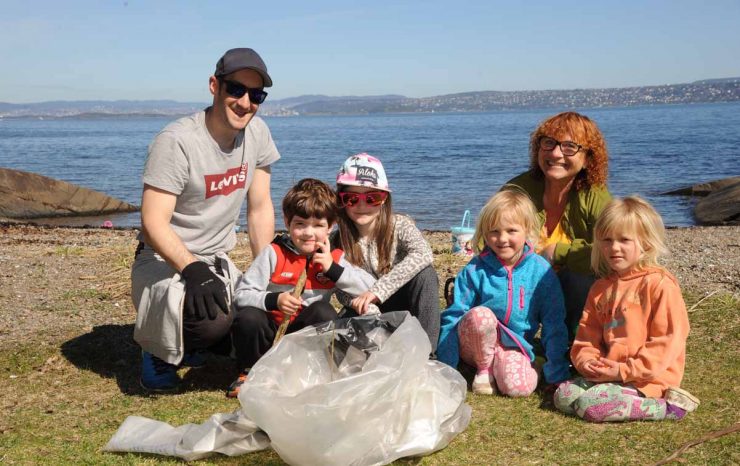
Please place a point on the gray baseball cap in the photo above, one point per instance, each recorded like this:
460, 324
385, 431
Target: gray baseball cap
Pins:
242, 59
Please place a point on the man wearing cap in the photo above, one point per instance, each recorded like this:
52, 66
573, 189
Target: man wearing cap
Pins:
198, 171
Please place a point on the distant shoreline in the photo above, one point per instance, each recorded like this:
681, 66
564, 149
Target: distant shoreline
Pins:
723, 90
174, 116
95, 116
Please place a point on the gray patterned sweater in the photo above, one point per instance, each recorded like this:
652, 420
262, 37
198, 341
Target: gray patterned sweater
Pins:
409, 255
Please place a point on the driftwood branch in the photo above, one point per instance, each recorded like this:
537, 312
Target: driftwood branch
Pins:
701, 300
286, 318
712, 435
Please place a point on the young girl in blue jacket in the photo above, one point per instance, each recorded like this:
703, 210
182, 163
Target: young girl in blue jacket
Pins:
501, 298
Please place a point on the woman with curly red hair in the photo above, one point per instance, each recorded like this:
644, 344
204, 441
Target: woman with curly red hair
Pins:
567, 183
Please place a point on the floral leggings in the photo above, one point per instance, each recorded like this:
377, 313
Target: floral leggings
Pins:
480, 346
611, 402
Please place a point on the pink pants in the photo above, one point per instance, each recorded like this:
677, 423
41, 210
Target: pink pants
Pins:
481, 347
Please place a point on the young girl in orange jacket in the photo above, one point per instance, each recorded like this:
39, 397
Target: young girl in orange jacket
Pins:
630, 347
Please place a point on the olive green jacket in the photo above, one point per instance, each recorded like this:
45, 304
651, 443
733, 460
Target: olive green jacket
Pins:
581, 211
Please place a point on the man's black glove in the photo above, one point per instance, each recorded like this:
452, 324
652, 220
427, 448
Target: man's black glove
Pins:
205, 293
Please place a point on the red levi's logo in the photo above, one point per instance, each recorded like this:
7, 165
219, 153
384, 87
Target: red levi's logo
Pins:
227, 183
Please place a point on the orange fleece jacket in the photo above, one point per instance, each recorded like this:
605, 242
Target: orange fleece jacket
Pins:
640, 321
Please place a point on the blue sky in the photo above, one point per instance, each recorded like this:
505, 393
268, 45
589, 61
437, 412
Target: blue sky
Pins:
166, 49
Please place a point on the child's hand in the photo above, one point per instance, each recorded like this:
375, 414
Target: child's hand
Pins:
608, 370
322, 256
589, 369
360, 303
601, 370
289, 304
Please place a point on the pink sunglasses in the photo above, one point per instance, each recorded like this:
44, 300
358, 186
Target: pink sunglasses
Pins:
373, 198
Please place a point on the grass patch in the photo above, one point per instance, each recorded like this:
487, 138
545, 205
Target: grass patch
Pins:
64, 402
86, 293
68, 251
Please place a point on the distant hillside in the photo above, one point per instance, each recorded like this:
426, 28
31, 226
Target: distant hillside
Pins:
709, 90
98, 108
717, 81
712, 90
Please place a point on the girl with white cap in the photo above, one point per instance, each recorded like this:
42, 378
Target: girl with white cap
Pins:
387, 245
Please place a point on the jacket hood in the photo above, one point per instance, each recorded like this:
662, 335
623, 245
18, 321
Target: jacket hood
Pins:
639, 274
283, 239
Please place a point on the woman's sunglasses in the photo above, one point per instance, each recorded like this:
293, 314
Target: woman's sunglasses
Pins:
237, 90
373, 198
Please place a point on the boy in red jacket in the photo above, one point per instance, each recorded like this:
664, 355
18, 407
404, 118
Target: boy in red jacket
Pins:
264, 294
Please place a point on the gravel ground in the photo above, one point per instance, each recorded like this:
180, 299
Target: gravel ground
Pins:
65, 281
704, 259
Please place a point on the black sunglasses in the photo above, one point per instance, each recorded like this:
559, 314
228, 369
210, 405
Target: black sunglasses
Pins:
237, 90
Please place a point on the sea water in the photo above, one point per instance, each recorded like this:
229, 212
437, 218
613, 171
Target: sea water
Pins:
438, 165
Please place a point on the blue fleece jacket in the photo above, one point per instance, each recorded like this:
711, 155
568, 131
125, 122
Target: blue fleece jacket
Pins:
522, 297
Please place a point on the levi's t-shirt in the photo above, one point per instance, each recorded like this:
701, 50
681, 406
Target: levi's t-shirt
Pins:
210, 184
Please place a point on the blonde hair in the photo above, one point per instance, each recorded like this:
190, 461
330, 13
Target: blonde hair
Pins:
633, 216
514, 205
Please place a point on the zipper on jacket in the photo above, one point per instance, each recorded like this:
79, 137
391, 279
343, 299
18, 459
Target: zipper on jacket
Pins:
510, 293
510, 282
521, 298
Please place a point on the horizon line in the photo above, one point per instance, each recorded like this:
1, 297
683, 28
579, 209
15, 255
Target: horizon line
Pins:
707, 80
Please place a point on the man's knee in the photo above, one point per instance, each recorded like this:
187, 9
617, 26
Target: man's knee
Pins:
207, 332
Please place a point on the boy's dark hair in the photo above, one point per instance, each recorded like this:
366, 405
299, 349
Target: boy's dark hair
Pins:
310, 198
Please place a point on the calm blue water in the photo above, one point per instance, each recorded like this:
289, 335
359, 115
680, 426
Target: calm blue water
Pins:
438, 164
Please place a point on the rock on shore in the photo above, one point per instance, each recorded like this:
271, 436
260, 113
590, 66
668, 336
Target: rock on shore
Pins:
25, 195
720, 204
720, 207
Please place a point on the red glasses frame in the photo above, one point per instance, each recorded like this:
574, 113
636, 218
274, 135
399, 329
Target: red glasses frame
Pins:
373, 198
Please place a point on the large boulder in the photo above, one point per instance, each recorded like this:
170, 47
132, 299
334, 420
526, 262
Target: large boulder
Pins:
25, 195
704, 189
721, 206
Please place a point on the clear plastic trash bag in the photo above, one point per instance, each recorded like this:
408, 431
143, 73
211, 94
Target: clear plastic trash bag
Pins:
231, 434
357, 391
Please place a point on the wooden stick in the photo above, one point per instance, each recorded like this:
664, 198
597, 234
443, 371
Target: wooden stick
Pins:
712, 435
700, 301
286, 318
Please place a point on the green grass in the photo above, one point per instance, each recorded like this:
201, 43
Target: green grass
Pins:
86, 293
67, 251
63, 401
